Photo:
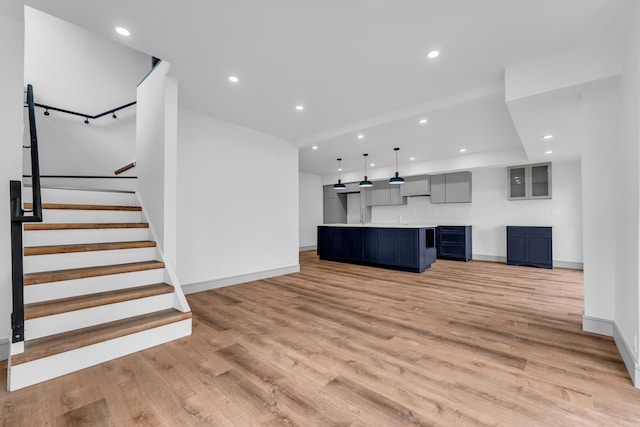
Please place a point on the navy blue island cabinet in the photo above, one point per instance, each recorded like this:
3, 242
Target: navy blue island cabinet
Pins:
454, 242
407, 248
529, 246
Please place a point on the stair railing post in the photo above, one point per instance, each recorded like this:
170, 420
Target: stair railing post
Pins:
17, 315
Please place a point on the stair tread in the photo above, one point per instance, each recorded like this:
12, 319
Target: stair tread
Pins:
84, 272
75, 206
83, 226
86, 247
67, 341
64, 305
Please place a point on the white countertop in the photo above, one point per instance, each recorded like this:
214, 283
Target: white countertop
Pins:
371, 225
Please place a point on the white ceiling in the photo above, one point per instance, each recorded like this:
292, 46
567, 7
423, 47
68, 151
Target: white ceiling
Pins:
358, 66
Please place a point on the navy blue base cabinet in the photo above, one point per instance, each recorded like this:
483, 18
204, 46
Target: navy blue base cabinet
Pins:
454, 242
407, 249
529, 246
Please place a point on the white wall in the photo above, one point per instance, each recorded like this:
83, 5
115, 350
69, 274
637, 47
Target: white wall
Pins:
75, 69
627, 295
310, 208
490, 211
598, 126
69, 147
156, 154
11, 126
237, 202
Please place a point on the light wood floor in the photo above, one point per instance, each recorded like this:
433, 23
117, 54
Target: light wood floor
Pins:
462, 344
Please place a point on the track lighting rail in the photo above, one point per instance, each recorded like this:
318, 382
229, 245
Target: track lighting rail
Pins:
113, 111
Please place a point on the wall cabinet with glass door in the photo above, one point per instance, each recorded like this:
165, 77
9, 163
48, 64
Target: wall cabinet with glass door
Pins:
529, 181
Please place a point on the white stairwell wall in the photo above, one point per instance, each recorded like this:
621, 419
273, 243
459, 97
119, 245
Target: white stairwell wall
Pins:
156, 159
11, 131
76, 69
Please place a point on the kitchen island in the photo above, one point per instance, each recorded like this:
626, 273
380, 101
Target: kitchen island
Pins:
404, 247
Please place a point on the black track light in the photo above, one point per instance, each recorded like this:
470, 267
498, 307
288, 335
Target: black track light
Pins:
114, 116
86, 121
46, 112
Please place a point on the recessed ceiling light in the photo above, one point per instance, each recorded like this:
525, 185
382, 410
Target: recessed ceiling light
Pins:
433, 54
299, 107
315, 147
548, 152
412, 158
339, 169
123, 31
234, 79
547, 137
360, 136
463, 150
423, 121
372, 164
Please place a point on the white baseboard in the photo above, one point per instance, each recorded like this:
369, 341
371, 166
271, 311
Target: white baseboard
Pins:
235, 280
5, 346
492, 258
597, 325
502, 259
307, 248
569, 264
628, 356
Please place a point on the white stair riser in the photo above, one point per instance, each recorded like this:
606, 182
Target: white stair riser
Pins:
34, 372
37, 263
68, 237
78, 319
51, 216
91, 285
57, 195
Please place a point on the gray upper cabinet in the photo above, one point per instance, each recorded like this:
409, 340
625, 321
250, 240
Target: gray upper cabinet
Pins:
378, 195
438, 188
335, 211
328, 192
334, 206
541, 181
458, 187
451, 187
415, 186
352, 187
529, 181
384, 194
395, 195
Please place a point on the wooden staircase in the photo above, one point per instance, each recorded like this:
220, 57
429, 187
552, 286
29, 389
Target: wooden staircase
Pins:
95, 287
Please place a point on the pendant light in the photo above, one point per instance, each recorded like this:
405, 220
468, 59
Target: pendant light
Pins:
365, 183
396, 179
339, 185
